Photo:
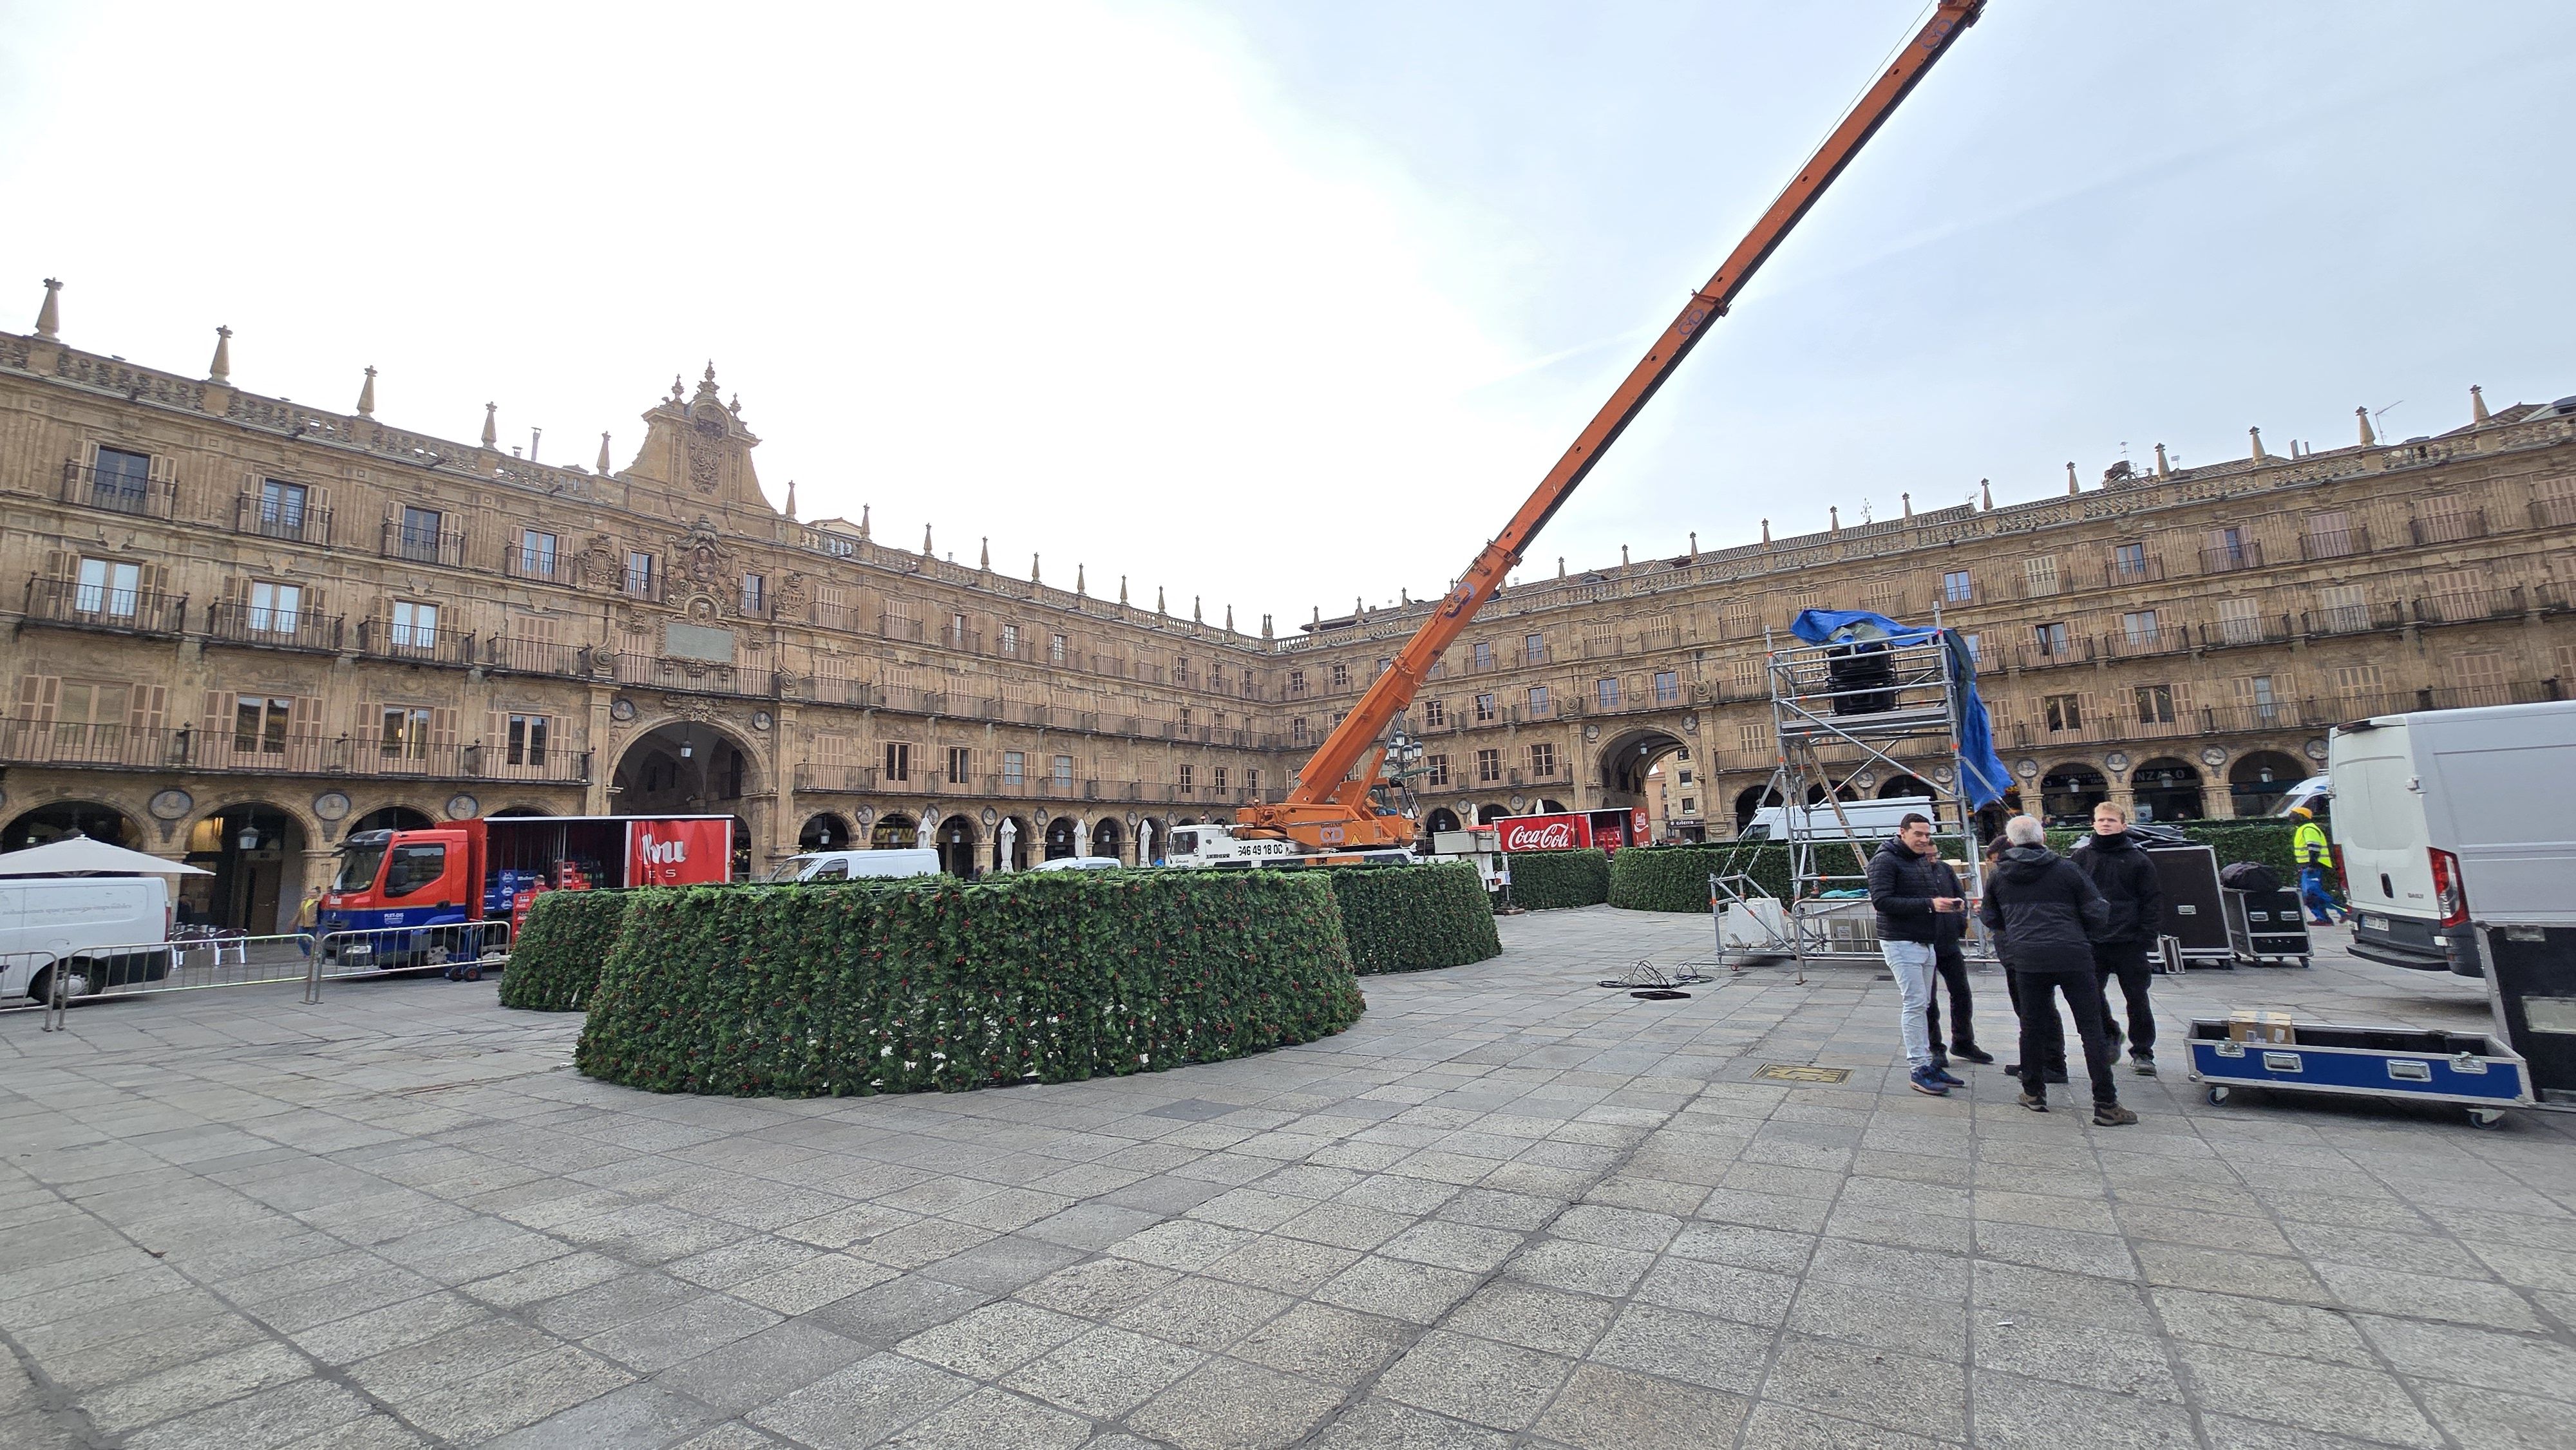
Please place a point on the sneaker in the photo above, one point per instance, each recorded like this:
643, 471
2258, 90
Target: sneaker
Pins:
2036, 1102
1971, 1052
1943, 1074
2112, 1115
1925, 1080
2144, 1062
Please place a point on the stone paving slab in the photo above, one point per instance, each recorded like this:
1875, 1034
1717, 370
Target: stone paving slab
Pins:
1508, 1208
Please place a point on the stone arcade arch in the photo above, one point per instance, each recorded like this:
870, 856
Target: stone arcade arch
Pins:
2068, 793
1441, 819
256, 852
1026, 843
956, 839
686, 767
894, 831
1750, 800
1627, 758
1063, 838
53, 822
2257, 781
1108, 838
2168, 789
392, 818
1904, 785
824, 831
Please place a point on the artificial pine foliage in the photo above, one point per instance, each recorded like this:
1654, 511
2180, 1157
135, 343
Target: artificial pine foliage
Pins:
944, 985
1548, 880
1412, 918
556, 961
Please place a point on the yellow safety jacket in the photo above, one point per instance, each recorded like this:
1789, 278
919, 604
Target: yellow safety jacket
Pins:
2309, 847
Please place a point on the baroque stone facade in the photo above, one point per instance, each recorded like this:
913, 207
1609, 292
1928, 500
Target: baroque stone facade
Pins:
246, 627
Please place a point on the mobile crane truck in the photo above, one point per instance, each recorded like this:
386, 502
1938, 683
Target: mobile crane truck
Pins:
1332, 815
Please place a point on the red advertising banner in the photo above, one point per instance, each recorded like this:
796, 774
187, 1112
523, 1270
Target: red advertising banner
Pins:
677, 853
1544, 833
1637, 824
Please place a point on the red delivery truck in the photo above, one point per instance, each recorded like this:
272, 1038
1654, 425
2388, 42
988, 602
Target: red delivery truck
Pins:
1570, 830
444, 878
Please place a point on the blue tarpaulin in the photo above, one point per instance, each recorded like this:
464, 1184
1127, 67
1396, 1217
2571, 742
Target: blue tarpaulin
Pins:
1982, 776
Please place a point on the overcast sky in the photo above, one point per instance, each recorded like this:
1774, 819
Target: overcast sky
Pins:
1285, 304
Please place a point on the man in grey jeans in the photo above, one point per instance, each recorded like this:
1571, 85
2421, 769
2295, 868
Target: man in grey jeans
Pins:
1912, 890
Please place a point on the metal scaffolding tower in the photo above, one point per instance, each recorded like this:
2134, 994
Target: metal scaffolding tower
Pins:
1847, 716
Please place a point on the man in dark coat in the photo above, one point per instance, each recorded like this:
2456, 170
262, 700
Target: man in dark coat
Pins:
1912, 892
2136, 895
2047, 913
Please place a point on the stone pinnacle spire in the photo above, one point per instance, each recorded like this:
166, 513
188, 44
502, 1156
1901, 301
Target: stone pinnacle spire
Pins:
2477, 404
2362, 416
1986, 495
1905, 499
984, 561
791, 498
2163, 469
1766, 539
1229, 619
49, 317
603, 455
367, 395
2072, 487
863, 521
925, 541
491, 424
221, 369
1122, 588
1081, 584
2255, 436
1033, 570
1159, 606
1195, 616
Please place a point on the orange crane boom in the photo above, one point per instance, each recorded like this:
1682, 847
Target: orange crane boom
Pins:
1330, 806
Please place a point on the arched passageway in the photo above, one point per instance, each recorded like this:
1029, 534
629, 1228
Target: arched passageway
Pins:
2068, 794
1750, 801
256, 852
392, 818
956, 839
2168, 790
1063, 838
67, 818
1014, 845
1108, 838
2256, 783
1441, 819
894, 831
824, 832
1625, 761
1904, 786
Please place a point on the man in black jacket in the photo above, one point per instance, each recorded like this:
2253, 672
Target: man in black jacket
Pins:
1913, 893
2136, 895
2047, 914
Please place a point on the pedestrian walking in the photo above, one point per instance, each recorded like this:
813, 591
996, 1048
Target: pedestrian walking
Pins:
308, 919
2048, 913
2052, 1061
2315, 856
2127, 879
1912, 891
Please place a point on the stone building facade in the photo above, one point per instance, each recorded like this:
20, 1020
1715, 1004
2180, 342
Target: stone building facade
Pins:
245, 627
2176, 639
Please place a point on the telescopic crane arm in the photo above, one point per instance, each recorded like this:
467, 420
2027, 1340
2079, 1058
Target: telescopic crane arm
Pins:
1328, 808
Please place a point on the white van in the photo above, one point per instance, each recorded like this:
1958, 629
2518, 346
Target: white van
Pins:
58, 923
858, 865
2443, 818
1870, 821
1080, 863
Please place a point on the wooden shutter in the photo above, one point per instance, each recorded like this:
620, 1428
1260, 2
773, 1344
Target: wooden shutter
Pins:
236, 589
37, 696
304, 717
145, 706
57, 564
442, 729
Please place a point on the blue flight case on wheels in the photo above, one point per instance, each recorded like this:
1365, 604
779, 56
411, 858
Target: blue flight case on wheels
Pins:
2470, 1069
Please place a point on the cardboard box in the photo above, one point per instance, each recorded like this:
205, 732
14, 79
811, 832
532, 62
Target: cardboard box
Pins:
2246, 1024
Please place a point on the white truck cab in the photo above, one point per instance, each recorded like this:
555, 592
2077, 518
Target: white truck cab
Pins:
1213, 845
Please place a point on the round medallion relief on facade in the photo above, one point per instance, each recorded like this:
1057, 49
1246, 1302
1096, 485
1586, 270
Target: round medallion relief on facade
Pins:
330, 805
2213, 756
621, 709
2025, 768
170, 805
991, 815
2117, 760
760, 719
2316, 749
463, 807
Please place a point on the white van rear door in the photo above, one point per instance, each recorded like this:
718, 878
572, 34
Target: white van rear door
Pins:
2379, 823
2500, 794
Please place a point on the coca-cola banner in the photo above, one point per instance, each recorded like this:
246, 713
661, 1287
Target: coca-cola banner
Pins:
673, 853
1544, 833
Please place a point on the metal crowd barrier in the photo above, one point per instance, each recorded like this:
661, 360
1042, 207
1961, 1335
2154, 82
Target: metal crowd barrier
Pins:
201, 963
20, 989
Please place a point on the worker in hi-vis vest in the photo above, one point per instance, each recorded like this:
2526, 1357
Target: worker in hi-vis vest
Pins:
2309, 847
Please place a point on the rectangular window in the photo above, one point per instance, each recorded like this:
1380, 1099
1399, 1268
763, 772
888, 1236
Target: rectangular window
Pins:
2129, 561
2138, 626
1690, 807
2155, 704
1538, 702
1436, 769
1252, 778
537, 554
419, 535
2051, 640
1685, 777
1489, 766
1296, 682
282, 508
755, 594
1485, 711
1957, 587
1341, 677
1297, 730
1606, 691
2237, 623
958, 636
961, 762
108, 587
2344, 607
1533, 649
2039, 574
121, 480
639, 574
2227, 549
1015, 767
2063, 712
1055, 649
1216, 778
2256, 694
1668, 687
402, 733
259, 725
1753, 737
2357, 679
1483, 652
527, 742
1010, 639
274, 607
1189, 781
2331, 536
1976, 644
1543, 761
415, 625
898, 760
1063, 772
1435, 713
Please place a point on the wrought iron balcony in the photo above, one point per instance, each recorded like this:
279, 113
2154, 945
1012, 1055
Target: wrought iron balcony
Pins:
118, 492
76, 605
